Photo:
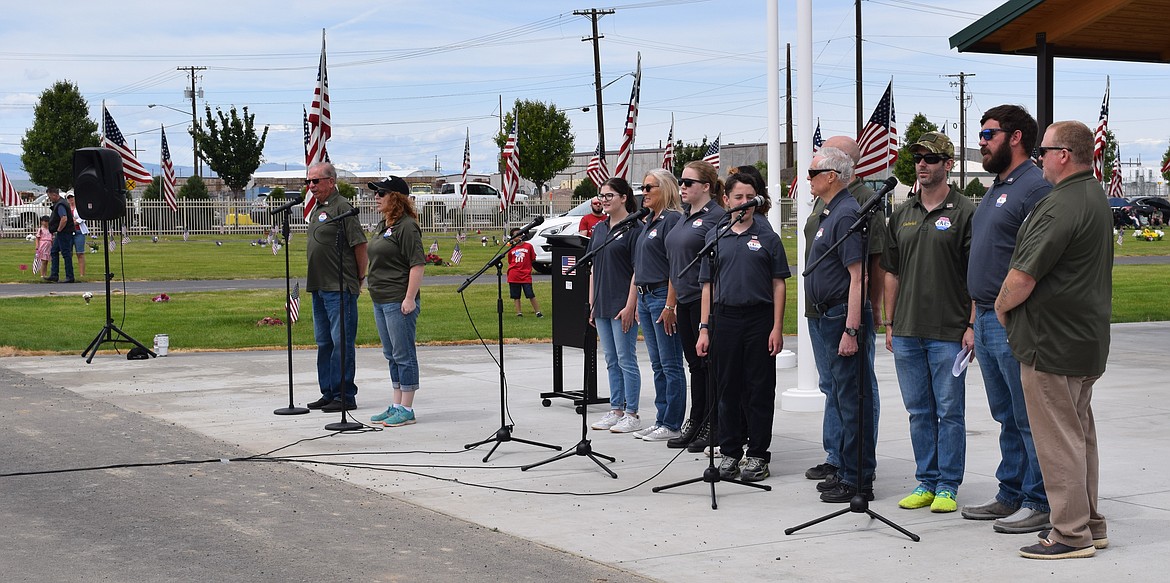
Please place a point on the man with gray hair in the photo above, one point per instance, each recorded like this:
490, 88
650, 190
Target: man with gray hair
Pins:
836, 292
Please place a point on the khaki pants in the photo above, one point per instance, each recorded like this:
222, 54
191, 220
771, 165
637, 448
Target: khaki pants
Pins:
1065, 434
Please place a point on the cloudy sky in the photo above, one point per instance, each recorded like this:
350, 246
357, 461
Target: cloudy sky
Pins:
409, 78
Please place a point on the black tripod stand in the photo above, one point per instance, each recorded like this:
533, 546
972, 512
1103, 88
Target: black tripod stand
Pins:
109, 330
504, 433
859, 503
292, 409
711, 472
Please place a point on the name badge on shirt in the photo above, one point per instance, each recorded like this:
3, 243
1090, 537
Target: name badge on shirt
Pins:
943, 223
388, 233
1001, 200
754, 244
652, 234
697, 223
820, 231
321, 218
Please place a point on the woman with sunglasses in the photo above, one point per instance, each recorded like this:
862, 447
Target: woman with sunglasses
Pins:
657, 304
743, 297
701, 191
395, 274
613, 306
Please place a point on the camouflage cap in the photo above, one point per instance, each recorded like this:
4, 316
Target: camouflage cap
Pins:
935, 143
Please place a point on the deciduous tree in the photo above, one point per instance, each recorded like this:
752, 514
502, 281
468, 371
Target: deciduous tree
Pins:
60, 125
904, 167
231, 147
544, 138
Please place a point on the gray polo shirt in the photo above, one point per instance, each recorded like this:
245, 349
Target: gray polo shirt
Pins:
876, 231
613, 268
748, 262
650, 263
684, 243
994, 227
829, 282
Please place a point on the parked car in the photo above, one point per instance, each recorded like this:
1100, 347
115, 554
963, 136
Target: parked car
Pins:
27, 215
483, 201
563, 224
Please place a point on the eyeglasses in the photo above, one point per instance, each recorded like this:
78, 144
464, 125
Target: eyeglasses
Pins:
988, 134
380, 194
1042, 150
689, 182
314, 181
931, 159
606, 195
812, 172
648, 187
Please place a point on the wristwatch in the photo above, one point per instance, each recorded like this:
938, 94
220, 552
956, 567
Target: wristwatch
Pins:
851, 331
704, 326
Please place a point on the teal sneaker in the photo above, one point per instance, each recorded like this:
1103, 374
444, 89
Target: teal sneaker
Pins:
399, 418
384, 415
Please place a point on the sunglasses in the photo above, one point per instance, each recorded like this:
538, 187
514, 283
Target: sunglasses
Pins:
689, 182
648, 187
314, 181
989, 134
813, 172
1042, 150
931, 159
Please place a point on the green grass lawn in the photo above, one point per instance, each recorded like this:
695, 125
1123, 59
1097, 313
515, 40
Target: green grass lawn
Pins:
228, 320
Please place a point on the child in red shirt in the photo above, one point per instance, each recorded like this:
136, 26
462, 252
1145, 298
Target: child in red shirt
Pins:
520, 273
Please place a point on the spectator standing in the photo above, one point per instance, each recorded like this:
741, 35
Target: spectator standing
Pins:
62, 227
520, 272
79, 236
596, 215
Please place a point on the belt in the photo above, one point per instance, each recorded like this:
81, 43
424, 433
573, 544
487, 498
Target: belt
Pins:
645, 289
826, 306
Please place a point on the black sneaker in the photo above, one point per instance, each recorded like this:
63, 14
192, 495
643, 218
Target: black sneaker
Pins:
320, 403
729, 468
820, 471
689, 430
336, 405
829, 483
843, 494
701, 441
754, 470
539, 315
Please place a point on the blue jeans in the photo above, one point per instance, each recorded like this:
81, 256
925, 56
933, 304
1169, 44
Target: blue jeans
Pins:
934, 398
831, 424
327, 332
397, 331
840, 373
62, 248
666, 360
621, 361
1020, 480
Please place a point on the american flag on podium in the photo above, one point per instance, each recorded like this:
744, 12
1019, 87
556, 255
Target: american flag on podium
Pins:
567, 262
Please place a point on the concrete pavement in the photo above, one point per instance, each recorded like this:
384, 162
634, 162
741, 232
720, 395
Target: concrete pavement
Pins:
212, 405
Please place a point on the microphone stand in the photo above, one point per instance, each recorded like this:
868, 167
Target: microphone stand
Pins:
292, 409
858, 503
504, 433
711, 472
585, 446
342, 242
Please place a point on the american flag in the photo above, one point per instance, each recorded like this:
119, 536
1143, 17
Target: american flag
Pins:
186, 234
434, 247
168, 174
511, 157
712, 155
1115, 182
817, 142
1099, 138
10, 196
668, 153
626, 152
113, 139
567, 262
1165, 166
597, 170
466, 168
294, 304
879, 138
36, 264
318, 124
275, 245
457, 254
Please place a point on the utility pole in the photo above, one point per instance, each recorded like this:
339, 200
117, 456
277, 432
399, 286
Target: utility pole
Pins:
593, 15
857, 66
790, 159
963, 98
194, 116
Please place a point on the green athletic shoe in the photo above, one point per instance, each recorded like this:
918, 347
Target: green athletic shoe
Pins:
384, 415
399, 418
919, 498
944, 501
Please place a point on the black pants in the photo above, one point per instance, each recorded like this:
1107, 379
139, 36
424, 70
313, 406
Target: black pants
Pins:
689, 315
746, 379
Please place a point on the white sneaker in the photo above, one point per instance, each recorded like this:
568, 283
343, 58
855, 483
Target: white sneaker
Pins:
644, 432
611, 418
627, 424
662, 433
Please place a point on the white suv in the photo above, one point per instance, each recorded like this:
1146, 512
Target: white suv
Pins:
27, 216
564, 224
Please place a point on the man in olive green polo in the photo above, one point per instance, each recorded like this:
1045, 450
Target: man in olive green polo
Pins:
929, 317
1055, 304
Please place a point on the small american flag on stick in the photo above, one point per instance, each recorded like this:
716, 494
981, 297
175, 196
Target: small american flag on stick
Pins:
294, 304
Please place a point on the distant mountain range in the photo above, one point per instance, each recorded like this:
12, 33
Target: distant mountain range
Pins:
14, 168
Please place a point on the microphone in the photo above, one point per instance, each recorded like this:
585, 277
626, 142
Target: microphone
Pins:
878, 197
345, 215
757, 201
630, 220
288, 205
526, 228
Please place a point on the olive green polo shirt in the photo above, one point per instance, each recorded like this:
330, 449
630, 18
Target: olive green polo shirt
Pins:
877, 232
393, 250
1066, 245
321, 247
929, 252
